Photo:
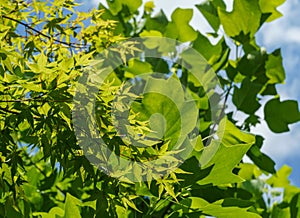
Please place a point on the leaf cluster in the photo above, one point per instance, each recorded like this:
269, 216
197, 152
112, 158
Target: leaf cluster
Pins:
46, 47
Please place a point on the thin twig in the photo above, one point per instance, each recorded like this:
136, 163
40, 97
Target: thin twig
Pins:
34, 100
222, 112
73, 45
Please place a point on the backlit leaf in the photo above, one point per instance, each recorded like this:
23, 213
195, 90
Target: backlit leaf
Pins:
243, 19
274, 68
179, 28
271, 7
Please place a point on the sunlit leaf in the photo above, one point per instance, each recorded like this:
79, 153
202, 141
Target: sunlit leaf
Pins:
179, 28
226, 155
243, 19
274, 68
271, 7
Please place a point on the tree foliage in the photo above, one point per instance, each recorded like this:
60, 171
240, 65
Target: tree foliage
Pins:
45, 49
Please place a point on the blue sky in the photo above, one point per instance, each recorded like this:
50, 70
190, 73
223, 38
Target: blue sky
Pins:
283, 33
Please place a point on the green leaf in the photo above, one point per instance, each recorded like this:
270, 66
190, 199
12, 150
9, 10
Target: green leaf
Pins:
71, 207
274, 68
279, 115
267, 7
116, 6
158, 22
169, 189
166, 97
245, 98
209, 51
248, 171
222, 208
229, 134
244, 19
279, 211
251, 63
136, 67
42, 163
11, 210
191, 203
149, 6
55, 212
260, 159
281, 177
179, 28
130, 203
35, 197
232, 72
218, 209
209, 9
226, 155
281, 180
36, 87
295, 206
5, 171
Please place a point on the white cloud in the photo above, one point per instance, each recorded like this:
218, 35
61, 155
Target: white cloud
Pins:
279, 146
285, 29
96, 2
281, 32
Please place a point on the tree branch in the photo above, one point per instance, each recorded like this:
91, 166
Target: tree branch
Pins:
220, 116
73, 45
34, 100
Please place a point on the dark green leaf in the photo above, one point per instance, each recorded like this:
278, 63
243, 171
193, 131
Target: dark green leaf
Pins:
279, 115
260, 159
209, 9
245, 98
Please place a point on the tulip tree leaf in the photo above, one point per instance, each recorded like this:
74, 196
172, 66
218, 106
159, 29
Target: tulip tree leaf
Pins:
279, 115
117, 5
158, 22
179, 114
226, 155
271, 7
221, 208
263, 161
136, 67
209, 9
71, 206
179, 27
209, 51
245, 97
274, 68
281, 180
244, 18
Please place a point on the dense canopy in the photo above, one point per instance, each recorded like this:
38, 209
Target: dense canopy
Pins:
122, 112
